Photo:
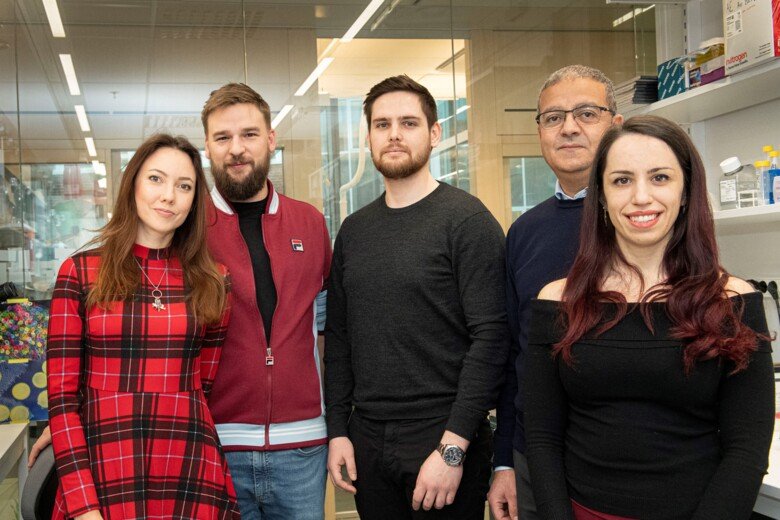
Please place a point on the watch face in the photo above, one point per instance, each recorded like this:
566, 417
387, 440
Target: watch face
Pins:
453, 456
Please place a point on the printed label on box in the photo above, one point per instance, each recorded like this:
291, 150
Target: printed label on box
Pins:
752, 32
733, 24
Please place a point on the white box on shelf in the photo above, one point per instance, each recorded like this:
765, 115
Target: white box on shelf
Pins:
11, 255
752, 31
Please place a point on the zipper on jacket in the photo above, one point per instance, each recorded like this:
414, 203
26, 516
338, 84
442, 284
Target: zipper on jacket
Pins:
269, 355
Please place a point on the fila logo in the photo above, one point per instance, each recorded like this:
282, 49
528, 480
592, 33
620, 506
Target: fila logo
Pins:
297, 245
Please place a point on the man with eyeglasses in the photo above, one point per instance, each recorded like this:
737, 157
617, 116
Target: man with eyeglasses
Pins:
576, 106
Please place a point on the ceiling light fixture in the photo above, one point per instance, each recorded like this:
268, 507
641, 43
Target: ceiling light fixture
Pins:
91, 146
446, 63
316, 73
631, 14
332, 45
70, 74
385, 13
361, 20
55, 22
99, 168
281, 115
82, 115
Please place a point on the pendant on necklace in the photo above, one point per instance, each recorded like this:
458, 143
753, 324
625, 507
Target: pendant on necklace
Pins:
158, 304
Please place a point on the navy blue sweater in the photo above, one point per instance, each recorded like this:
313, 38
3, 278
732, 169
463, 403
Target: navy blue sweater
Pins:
541, 246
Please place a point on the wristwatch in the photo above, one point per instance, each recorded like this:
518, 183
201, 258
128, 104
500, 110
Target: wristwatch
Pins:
452, 454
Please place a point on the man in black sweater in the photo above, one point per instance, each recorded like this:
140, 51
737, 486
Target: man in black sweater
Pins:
576, 106
416, 337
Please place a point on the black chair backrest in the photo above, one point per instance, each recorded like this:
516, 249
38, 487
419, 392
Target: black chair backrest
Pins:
40, 488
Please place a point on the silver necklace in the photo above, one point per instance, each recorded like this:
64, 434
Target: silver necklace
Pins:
156, 292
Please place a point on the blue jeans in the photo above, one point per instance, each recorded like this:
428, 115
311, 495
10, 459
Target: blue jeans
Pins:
280, 485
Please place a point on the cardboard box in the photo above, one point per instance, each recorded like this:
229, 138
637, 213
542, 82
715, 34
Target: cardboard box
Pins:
672, 78
752, 31
709, 63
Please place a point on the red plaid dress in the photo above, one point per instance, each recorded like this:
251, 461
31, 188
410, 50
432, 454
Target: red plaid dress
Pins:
131, 431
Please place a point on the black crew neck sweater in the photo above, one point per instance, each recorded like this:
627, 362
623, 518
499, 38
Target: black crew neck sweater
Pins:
416, 318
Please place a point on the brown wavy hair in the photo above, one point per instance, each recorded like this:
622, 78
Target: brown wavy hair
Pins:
697, 303
119, 275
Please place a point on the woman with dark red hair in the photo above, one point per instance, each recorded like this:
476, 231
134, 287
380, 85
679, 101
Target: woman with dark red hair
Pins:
649, 382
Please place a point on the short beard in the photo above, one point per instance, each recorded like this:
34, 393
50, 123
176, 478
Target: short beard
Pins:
404, 169
239, 191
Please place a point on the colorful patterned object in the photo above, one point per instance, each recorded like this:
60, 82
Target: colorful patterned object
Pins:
23, 330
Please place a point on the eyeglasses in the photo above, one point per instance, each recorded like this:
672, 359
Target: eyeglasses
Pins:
586, 115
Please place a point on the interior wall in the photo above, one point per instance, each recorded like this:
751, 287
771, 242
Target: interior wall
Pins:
505, 70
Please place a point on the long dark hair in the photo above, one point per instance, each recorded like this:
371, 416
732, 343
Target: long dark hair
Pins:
119, 275
703, 318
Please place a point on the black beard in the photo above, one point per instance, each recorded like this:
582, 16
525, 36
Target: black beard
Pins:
239, 191
404, 169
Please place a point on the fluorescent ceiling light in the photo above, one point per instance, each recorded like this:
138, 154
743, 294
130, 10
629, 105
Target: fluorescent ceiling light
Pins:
82, 115
385, 13
281, 115
364, 17
70, 74
626, 17
55, 22
330, 47
316, 73
90, 146
99, 167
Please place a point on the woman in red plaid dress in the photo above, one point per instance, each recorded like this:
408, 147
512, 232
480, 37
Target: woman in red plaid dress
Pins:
135, 334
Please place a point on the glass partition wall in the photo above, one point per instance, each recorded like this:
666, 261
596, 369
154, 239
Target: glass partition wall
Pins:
84, 83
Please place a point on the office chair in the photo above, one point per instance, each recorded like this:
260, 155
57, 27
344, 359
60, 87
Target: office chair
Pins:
40, 488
